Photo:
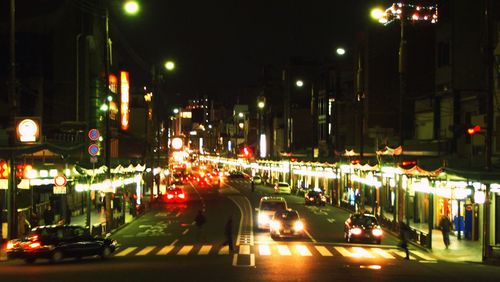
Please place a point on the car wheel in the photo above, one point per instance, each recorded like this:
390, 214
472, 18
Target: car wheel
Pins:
56, 257
30, 260
105, 253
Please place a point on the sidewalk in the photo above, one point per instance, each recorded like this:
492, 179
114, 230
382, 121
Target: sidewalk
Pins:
458, 251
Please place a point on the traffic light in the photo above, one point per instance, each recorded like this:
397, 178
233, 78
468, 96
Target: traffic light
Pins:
473, 129
4, 170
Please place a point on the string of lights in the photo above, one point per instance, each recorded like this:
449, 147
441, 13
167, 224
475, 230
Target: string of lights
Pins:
409, 12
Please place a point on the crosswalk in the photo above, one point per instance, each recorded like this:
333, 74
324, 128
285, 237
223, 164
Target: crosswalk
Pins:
239, 181
273, 250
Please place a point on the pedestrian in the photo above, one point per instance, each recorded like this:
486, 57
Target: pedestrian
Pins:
445, 226
228, 232
48, 215
199, 222
404, 231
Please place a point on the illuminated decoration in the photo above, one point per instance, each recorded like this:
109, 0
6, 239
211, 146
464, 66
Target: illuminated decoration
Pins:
229, 147
479, 197
28, 130
177, 143
125, 100
193, 133
186, 115
263, 146
113, 83
407, 12
201, 145
389, 151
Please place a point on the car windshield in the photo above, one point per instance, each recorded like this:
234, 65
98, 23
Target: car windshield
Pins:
364, 220
273, 206
287, 215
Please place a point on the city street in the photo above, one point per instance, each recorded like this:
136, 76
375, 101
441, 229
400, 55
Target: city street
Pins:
165, 243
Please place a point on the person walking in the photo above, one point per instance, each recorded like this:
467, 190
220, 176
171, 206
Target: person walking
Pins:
199, 222
48, 216
228, 232
445, 226
404, 231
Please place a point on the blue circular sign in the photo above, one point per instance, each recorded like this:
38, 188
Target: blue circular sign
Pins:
94, 134
93, 150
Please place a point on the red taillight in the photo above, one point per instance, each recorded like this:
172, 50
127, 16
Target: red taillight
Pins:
34, 245
9, 246
356, 231
181, 195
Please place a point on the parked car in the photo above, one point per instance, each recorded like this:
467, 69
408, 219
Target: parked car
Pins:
267, 207
363, 228
57, 242
282, 187
286, 223
315, 197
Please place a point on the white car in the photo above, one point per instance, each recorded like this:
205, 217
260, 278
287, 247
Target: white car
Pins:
282, 187
268, 206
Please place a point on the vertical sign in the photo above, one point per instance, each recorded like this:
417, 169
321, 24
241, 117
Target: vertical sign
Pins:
125, 95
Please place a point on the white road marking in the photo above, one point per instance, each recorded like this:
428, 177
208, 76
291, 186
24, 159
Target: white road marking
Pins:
185, 231
224, 250
303, 250
165, 250
362, 252
383, 253
283, 250
185, 250
331, 220
402, 254
174, 242
205, 249
145, 251
125, 252
343, 251
310, 237
244, 250
422, 255
323, 251
264, 250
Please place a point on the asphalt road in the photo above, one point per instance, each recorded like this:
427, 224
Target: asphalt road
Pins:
164, 245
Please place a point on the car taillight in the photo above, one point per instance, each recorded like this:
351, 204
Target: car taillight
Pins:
356, 231
377, 232
170, 196
181, 195
312, 198
10, 245
34, 245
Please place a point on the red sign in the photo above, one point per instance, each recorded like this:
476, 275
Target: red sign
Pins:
94, 134
60, 180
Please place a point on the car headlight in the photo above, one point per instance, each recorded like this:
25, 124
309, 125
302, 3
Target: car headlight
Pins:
356, 231
263, 218
377, 232
275, 224
298, 226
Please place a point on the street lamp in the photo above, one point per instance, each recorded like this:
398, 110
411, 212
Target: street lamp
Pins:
169, 65
299, 83
340, 51
261, 104
131, 7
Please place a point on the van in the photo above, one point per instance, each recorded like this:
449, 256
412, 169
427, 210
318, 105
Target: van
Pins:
267, 207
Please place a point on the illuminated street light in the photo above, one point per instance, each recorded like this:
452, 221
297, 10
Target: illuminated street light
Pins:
299, 83
131, 7
261, 104
377, 14
176, 111
241, 115
340, 51
169, 65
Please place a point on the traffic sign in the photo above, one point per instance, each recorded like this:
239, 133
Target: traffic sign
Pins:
93, 160
93, 150
94, 134
59, 189
60, 180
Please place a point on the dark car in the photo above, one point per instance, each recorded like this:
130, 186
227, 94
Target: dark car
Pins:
362, 228
236, 174
315, 197
174, 194
56, 242
286, 223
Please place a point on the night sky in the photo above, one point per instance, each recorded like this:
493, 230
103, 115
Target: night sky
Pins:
221, 46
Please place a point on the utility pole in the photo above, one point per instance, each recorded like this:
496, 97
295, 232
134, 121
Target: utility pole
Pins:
109, 210
11, 193
490, 69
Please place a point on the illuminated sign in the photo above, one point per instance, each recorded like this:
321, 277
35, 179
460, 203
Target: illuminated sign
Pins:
28, 130
186, 115
125, 98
